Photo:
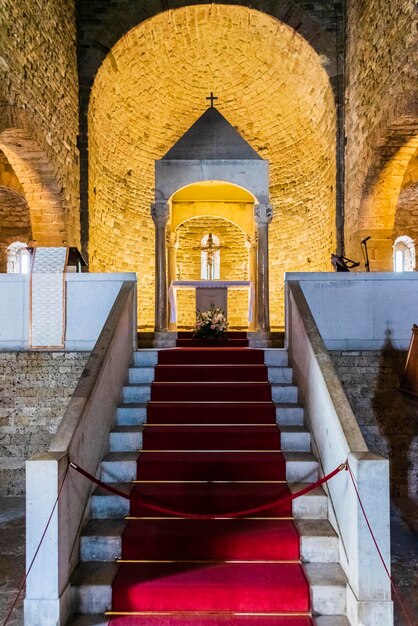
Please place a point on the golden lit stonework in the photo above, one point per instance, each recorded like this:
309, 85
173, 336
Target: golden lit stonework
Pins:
153, 86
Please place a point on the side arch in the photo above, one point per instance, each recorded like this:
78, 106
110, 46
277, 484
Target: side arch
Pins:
39, 186
397, 145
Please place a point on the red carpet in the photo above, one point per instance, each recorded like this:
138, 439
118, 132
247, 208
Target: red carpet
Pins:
211, 437
211, 413
210, 446
209, 497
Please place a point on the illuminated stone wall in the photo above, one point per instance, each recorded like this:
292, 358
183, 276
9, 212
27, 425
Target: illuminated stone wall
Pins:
39, 96
14, 222
233, 266
14, 211
381, 119
271, 86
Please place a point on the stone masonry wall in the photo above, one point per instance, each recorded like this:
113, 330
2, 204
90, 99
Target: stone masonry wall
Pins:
35, 388
39, 87
387, 419
272, 87
381, 86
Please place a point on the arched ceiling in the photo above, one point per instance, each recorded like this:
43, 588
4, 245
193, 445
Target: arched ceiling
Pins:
153, 86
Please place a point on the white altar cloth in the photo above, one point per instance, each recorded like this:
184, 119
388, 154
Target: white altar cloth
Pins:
209, 284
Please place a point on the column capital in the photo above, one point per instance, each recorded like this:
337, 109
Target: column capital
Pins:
160, 212
251, 241
263, 213
172, 240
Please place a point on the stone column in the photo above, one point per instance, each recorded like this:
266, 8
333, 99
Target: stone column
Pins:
172, 245
251, 245
160, 215
263, 214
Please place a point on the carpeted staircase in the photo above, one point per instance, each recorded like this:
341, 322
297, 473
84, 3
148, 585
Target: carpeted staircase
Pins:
204, 420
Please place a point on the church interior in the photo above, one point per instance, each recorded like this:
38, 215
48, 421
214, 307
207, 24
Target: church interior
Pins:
211, 153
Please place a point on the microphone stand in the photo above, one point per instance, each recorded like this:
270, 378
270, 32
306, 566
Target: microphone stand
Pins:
366, 254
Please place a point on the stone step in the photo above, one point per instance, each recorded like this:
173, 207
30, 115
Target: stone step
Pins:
122, 467
119, 467
89, 620
102, 541
319, 542
273, 357
106, 505
101, 620
125, 439
135, 414
310, 506
136, 394
276, 357
131, 414
92, 590
91, 587
280, 374
295, 439
145, 358
129, 438
141, 393
329, 620
140, 375
301, 467
283, 393
289, 414
145, 374
328, 588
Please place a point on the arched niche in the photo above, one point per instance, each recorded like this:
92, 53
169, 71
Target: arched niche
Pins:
213, 197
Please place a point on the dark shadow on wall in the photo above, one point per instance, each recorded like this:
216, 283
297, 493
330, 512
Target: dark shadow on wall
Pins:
397, 418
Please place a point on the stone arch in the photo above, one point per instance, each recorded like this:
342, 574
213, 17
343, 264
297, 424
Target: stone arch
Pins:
321, 27
272, 89
239, 211
404, 246
14, 221
38, 186
234, 264
18, 258
120, 16
385, 183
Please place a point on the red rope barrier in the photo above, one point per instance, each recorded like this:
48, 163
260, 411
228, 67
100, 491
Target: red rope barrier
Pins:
169, 511
22, 584
401, 604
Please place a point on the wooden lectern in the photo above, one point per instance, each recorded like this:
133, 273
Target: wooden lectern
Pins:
409, 382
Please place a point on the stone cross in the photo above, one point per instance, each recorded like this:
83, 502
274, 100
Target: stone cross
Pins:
212, 98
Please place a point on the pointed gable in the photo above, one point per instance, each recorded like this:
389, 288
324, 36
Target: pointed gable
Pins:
211, 138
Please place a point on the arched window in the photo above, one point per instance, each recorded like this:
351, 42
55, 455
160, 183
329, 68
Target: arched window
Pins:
18, 258
404, 254
210, 257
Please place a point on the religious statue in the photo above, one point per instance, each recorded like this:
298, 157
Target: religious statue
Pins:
210, 248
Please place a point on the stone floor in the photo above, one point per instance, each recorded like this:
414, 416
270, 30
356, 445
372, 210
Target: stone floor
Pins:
12, 531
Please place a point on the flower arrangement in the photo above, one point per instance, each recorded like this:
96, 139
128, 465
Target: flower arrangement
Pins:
210, 324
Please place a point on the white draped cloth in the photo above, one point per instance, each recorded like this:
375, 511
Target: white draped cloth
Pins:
47, 298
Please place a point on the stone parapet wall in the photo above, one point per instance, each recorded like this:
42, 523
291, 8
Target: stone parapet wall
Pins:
387, 419
35, 388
